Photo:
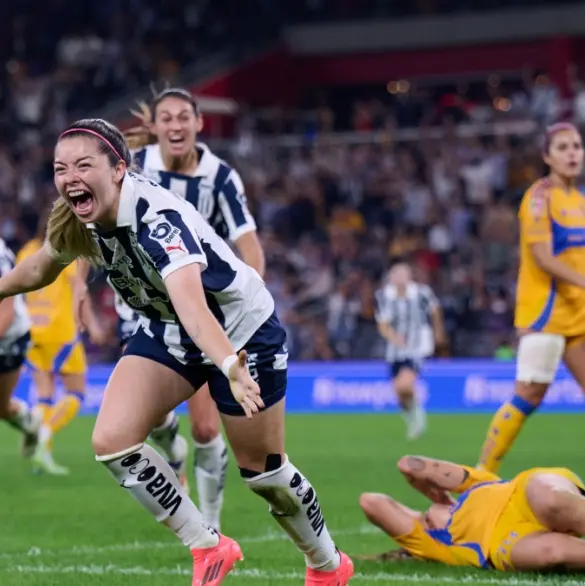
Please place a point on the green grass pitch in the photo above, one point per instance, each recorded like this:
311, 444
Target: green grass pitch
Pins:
84, 530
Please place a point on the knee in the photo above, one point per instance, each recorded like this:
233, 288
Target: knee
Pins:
204, 431
107, 441
551, 502
551, 555
531, 392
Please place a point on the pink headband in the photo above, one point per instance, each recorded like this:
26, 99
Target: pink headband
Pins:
97, 135
554, 129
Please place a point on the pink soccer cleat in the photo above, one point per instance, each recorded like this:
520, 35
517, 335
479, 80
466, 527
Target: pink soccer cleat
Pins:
339, 577
212, 564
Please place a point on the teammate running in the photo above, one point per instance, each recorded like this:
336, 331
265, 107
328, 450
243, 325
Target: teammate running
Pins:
409, 319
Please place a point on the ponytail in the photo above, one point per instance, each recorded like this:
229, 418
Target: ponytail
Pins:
68, 236
139, 136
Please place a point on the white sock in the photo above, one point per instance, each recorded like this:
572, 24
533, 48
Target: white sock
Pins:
144, 473
294, 505
165, 437
211, 461
407, 411
23, 419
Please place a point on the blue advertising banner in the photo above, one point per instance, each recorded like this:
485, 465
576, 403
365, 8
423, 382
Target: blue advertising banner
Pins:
446, 386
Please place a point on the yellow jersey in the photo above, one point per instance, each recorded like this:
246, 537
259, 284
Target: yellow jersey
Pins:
488, 518
551, 215
51, 308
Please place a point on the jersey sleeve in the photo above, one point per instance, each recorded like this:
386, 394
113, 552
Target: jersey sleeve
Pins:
383, 313
429, 297
234, 207
170, 243
427, 545
475, 476
534, 215
6, 260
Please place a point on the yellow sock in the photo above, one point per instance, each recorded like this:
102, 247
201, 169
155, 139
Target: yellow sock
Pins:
503, 430
64, 411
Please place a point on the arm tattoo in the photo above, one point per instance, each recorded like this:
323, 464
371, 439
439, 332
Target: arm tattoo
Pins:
415, 463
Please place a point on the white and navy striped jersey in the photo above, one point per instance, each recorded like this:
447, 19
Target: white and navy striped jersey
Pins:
409, 315
158, 233
215, 189
21, 322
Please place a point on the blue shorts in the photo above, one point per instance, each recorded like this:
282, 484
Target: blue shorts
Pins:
15, 355
125, 329
267, 363
409, 363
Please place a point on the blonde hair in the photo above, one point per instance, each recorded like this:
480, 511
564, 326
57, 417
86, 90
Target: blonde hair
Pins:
67, 235
140, 135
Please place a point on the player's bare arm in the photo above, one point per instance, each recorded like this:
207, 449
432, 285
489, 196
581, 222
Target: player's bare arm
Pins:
390, 334
33, 273
249, 247
543, 256
433, 478
6, 315
186, 292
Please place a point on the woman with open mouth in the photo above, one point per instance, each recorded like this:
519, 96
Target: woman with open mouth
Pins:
203, 313
168, 152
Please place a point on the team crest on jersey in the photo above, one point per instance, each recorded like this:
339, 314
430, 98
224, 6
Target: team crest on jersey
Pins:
162, 231
538, 204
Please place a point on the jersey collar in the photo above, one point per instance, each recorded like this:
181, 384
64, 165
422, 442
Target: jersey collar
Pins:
205, 166
126, 206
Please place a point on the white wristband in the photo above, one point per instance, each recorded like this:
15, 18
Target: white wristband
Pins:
227, 364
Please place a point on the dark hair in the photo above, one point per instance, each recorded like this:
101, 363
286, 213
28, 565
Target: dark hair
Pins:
552, 131
174, 92
109, 138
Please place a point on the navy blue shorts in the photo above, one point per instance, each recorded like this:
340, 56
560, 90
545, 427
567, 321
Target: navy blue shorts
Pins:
15, 355
398, 365
267, 363
125, 329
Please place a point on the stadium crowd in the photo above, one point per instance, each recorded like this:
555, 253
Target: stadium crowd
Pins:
334, 210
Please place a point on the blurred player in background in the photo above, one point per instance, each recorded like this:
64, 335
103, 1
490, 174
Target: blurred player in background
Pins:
56, 350
14, 341
550, 298
409, 319
532, 522
189, 169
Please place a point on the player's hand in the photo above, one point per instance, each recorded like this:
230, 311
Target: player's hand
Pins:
244, 389
80, 300
398, 340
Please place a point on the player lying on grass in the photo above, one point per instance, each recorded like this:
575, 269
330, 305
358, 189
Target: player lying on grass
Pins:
531, 522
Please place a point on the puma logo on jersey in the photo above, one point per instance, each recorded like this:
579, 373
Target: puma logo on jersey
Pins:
172, 247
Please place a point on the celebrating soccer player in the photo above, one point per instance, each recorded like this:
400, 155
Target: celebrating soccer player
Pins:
205, 317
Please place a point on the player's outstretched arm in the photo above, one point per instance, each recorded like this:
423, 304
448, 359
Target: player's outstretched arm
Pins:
394, 518
33, 273
436, 478
188, 297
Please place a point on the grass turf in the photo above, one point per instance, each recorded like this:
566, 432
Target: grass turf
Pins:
83, 530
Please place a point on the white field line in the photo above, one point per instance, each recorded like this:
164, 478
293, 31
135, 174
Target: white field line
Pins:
37, 552
416, 578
